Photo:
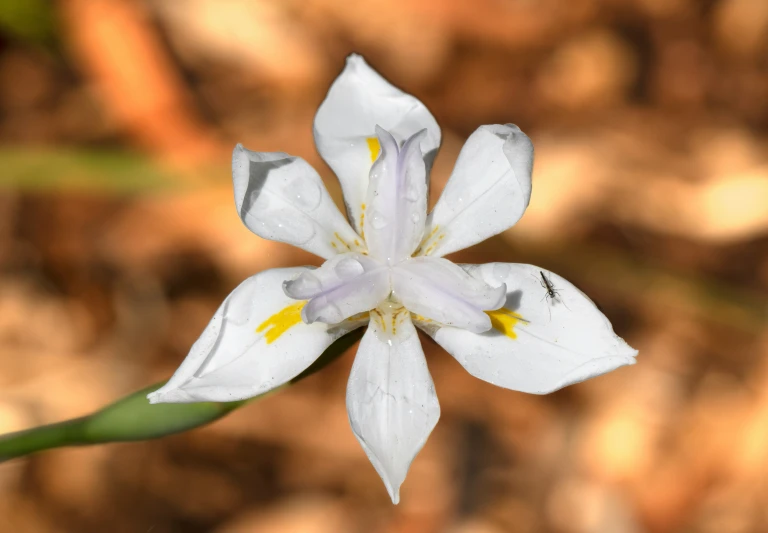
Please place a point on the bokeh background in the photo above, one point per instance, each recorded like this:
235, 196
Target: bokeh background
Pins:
119, 238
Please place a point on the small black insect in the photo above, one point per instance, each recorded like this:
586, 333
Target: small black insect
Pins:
552, 293
547, 284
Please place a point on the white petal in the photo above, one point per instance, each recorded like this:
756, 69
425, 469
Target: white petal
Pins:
343, 286
396, 205
441, 291
282, 198
255, 342
487, 193
391, 399
538, 344
357, 101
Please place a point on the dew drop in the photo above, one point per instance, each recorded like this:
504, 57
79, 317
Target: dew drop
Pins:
305, 286
348, 268
240, 303
303, 193
286, 224
411, 194
415, 217
378, 220
501, 271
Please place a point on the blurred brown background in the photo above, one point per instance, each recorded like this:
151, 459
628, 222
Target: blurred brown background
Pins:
119, 238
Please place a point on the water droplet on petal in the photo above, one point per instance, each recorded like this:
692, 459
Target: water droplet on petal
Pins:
411, 194
455, 201
305, 286
303, 193
501, 271
348, 268
286, 224
240, 304
415, 217
378, 220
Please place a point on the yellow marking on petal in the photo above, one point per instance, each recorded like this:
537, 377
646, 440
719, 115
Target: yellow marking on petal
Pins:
504, 321
362, 220
431, 233
281, 322
420, 318
425, 240
342, 241
378, 317
374, 147
359, 316
434, 244
357, 243
333, 244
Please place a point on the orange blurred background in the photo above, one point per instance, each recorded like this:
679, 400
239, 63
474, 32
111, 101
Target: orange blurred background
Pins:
119, 238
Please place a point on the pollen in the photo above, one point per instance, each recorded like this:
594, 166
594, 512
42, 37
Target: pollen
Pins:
281, 322
504, 321
374, 147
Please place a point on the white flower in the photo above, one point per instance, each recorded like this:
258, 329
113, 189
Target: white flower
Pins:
512, 325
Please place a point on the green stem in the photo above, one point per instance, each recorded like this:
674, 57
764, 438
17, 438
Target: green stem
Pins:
133, 418
40, 438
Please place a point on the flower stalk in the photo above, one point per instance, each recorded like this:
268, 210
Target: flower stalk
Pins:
132, 418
